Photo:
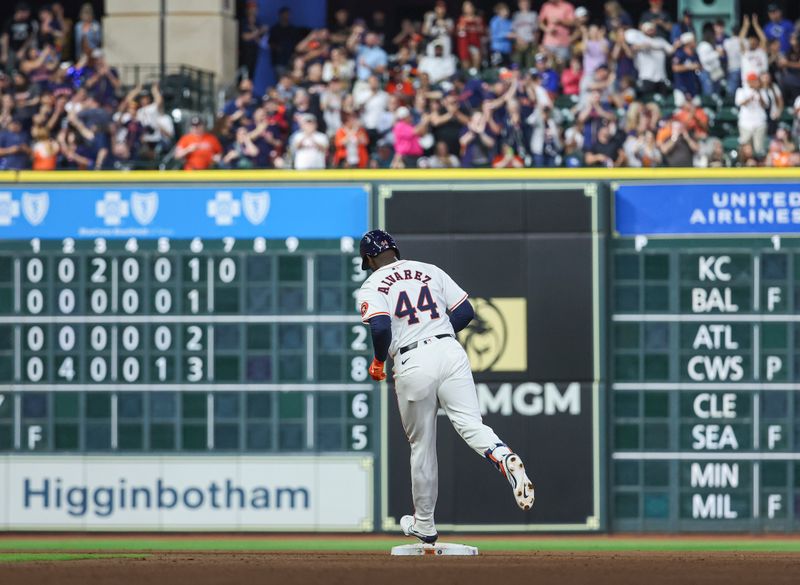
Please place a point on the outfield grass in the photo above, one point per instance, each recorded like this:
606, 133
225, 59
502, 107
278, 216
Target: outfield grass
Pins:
27, 557
381, 544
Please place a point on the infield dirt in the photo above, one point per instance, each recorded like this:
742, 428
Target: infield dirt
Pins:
356, 568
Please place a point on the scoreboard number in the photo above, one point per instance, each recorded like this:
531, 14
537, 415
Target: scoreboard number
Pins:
34, 270
67, 370
66, 270
359, 436
360, 405
359, 343
358, 368
35, 338
99, 274
66, 338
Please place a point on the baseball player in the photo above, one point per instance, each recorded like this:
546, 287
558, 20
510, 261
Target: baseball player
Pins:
414, 311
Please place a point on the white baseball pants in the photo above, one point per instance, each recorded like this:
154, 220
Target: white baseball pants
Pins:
437, 372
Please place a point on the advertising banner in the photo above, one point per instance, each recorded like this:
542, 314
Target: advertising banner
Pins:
152, 211
707, 208
166, 493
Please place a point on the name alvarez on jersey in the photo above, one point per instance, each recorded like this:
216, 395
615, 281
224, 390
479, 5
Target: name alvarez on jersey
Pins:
416, 296
405, 275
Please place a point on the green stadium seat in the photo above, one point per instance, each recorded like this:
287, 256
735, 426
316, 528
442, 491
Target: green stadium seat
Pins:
565, 101
730, 143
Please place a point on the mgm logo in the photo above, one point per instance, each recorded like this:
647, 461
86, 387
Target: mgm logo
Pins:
497, 339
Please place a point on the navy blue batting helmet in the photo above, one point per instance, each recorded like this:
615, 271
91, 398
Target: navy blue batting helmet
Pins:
375, 242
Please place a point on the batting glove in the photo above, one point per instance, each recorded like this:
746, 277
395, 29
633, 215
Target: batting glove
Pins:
376, 370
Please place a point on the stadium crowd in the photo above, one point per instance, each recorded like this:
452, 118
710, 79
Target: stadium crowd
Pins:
537, 84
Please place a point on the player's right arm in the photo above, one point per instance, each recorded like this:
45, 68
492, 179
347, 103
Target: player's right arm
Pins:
374, 309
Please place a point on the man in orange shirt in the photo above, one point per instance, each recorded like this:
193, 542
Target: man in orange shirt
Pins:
198, 147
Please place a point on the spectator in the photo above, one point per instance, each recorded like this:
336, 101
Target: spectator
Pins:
243, 153
198, 148
447, 120
371, 59
546, 74
571, 77
351, 142
621, 56
684, 25
733, 47
44, 151
605, 151
501, 35
711, 73
338, 66
308, 146
595, 49
437, 64
340, 29
88, 35
790, 71
641, 150
102, 80
659, 17
61, 23
778, 28
440, 159
592, 116
19, 34
545, 138
470, 32
754, 48
373, 103
477, 142
437, 27
14, 147
650, 57
407, 148
773, 99
556, 19
782, 152
525, 26
92, 145
283, 38
252, 36
686, 66
752, 113
676, 144
616, 16
158, 130
51, 34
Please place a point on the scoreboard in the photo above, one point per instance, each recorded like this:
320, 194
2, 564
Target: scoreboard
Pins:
705, 358
162, 319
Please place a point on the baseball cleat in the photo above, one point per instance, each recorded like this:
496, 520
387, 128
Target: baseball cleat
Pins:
407, 524
519, 480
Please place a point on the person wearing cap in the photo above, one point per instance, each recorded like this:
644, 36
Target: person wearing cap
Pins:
556, 19
754, 48
650, 56
778, 28
752, 113
684, 25
686, 66
103, 80
198, 148
371, 59
659, 17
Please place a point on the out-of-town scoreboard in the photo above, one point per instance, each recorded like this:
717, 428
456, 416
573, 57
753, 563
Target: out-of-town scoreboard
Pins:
160, 319
705, 357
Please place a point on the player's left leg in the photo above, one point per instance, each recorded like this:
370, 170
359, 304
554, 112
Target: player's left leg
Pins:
459, 399
416, 400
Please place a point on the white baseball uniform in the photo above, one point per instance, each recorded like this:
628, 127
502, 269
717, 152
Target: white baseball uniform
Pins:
428, 371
